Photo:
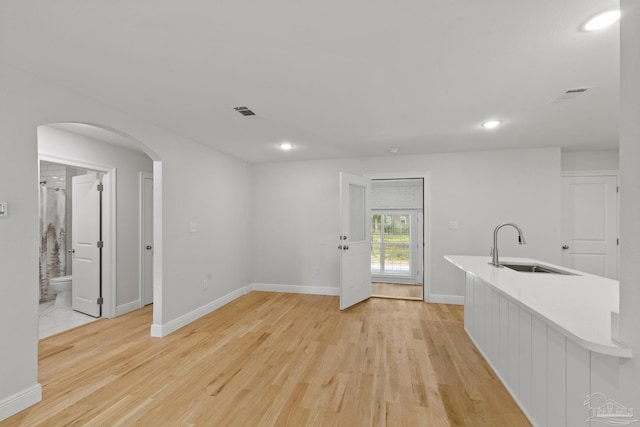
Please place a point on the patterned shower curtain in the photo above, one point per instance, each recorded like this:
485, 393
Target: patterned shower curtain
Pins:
52, 238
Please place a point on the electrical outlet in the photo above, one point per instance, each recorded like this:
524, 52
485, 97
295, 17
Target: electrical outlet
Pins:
193, 227
206, 284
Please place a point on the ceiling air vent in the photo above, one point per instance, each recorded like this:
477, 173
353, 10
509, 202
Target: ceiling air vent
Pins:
570, 94
245, 111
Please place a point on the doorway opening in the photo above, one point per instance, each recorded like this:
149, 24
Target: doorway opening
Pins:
62, 209
397, 238
87, 147
145, 221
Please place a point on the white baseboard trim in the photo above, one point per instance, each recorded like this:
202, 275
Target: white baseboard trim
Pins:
156, 331
175, 324
126, 308
295, 289
20, 401
445, 299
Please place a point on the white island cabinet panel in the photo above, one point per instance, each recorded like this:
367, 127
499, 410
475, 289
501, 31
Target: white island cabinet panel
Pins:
578, 375
514, 349
524, 360
493, 324
468, 304
503, 362
547, 336
538, 372
604, 376
486, 317
479, 310
556, 379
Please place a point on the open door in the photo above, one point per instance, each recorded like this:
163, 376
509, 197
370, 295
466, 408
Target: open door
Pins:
86, 238
355, 240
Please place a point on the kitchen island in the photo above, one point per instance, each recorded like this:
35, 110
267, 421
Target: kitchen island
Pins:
548, 336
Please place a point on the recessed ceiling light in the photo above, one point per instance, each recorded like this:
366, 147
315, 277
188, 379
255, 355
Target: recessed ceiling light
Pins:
286, 146
602, 20
491, 124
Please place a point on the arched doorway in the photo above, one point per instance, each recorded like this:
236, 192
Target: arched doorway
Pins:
121, 159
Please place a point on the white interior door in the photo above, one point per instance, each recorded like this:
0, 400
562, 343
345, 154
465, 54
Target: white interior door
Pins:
590, 224
146, 238
85, 226
355, 240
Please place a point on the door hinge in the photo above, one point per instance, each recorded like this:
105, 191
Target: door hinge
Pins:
100, 244
100, 187
617, 189
100, 301
618, 242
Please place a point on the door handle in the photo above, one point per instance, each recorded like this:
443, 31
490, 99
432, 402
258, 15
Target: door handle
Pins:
346, 247
148, 247
343, 247
340, 247
565, 247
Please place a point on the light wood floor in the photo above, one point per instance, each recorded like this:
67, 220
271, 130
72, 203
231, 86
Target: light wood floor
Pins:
273, 359
394, 290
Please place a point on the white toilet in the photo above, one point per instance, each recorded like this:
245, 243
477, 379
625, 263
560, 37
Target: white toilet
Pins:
62, 287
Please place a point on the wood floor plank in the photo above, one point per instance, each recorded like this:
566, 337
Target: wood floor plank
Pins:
270, 359
394, 290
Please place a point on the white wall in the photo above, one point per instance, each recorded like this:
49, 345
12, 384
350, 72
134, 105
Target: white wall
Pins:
128, 163
628, 388
211, 190
295, 205
199, 184
605, 160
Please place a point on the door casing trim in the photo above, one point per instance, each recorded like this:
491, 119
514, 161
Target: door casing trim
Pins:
426, 224
108, 225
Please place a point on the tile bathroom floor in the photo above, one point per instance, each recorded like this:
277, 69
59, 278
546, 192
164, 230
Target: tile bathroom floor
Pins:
55, 320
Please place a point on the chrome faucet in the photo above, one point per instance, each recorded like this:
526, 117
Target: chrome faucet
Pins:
494, 249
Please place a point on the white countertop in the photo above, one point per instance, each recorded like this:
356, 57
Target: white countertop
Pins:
578, 307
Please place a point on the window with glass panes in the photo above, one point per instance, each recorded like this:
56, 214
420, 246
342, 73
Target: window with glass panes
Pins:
391, 243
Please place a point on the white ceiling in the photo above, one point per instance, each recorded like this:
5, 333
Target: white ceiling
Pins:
336, 78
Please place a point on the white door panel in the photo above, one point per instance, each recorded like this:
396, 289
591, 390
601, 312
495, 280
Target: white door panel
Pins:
591, 263
355, 241
85, 225
590, 224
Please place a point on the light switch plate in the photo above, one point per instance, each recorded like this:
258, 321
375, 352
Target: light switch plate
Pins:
193, 227
3, 208
453, 225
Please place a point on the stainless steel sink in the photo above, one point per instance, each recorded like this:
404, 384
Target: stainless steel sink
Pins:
535, 268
